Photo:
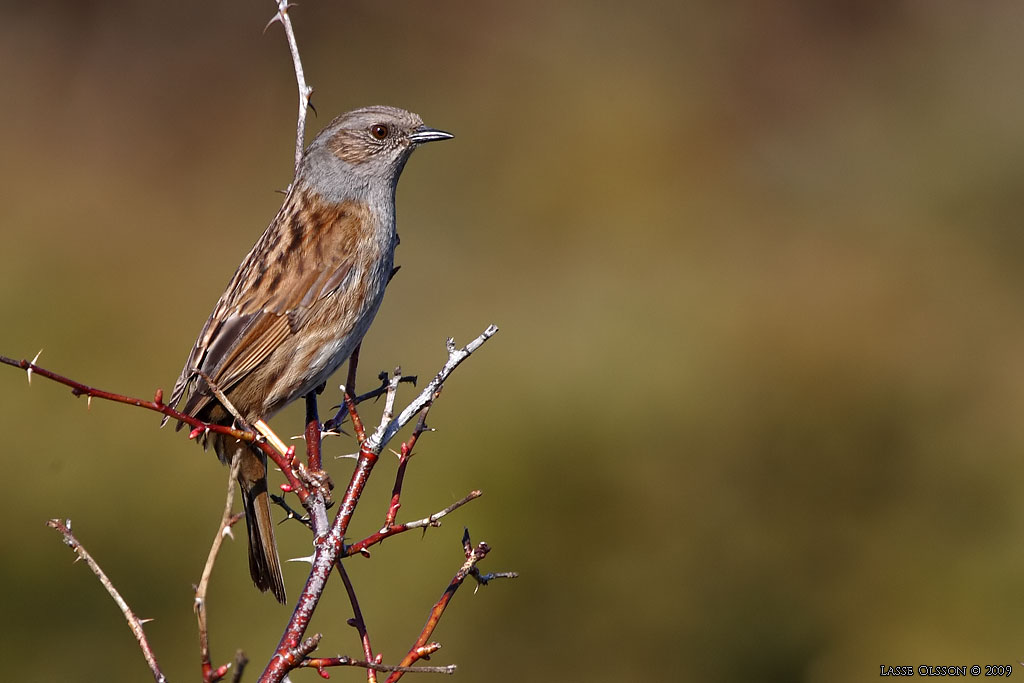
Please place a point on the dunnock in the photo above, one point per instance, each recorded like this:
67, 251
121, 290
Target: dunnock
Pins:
303, 297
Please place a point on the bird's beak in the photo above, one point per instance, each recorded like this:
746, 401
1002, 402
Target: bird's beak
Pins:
424, 134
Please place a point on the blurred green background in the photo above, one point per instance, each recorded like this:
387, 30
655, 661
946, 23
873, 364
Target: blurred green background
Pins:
754, 412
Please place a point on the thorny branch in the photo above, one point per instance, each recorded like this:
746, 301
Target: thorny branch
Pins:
422, 648
331, 547
294, 471
321, 663
403, 463
360, 547
134, 623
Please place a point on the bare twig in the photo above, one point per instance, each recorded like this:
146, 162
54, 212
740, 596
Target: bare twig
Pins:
421, 648
357, 423
360, 547
332, 426
227, 520
290, 512
484, 579
358, 623
385, 433
321, 663
224, 400
389, 399
134, 623
403, 463
300, 78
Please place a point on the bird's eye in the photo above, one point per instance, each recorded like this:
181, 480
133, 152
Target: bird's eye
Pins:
379, 131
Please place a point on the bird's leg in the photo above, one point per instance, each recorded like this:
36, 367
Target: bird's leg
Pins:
313, 442
353, 363
312, 433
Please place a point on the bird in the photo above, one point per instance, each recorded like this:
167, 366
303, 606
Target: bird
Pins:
302, 299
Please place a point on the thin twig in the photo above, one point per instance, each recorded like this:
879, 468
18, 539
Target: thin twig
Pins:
296, 474
224, 401
403, 464
333, 425
385, 433
300, 78
358, 623
321, 663
360, 547
422, 648
227, 520
357, 422
134, 623
290, 512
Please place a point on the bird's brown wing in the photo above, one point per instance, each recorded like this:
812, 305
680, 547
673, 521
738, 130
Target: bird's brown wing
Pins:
302, 257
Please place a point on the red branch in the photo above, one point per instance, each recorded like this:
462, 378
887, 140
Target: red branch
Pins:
359, 547
328, 550
359, 624
421, 648
357, 423
289, 466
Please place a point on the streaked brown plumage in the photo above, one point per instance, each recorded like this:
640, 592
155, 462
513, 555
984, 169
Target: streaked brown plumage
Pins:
303, 298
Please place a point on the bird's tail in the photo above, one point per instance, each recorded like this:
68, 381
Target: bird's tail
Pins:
264, 564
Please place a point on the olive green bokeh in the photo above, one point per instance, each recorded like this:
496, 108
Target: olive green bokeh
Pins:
754, 412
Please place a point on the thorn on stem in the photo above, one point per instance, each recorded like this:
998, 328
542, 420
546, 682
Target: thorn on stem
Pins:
276, 17
29, 370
